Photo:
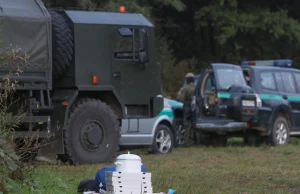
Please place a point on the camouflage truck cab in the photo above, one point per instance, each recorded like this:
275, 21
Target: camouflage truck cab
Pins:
85, 75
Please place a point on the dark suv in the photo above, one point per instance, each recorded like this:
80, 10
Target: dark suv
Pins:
224, 105
278, 86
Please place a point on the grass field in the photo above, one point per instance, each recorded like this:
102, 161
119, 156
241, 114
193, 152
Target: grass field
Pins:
198, 170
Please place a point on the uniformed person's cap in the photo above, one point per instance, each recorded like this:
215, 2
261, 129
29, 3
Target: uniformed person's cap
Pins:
189, 75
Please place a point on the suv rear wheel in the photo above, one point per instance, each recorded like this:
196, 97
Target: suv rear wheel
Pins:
280, 132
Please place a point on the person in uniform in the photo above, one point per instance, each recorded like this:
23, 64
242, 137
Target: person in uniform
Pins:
185, 95
247, 78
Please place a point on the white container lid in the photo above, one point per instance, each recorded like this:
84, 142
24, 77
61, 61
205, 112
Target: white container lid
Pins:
128, 157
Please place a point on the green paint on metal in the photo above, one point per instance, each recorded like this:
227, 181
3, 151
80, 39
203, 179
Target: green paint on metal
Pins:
294, 98
279, 97
166, 112
270, 97
224, 95
265, 96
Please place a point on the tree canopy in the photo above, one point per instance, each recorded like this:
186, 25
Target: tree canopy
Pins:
192, 34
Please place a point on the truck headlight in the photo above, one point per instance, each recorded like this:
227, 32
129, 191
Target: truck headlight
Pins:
258, 101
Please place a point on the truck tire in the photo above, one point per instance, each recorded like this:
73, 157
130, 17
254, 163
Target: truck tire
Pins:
62, 47
163, 140
279, 132
92, 134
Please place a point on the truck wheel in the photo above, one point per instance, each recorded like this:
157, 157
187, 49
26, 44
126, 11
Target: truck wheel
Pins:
62, 39
92, 134
163, 140
280, 132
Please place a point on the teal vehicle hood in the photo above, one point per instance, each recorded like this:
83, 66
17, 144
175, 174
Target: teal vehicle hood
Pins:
174, 103
171, 103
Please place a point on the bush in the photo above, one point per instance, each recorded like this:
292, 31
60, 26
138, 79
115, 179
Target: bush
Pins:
9, 121
173, 72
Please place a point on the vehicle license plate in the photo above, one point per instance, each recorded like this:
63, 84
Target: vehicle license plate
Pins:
248, 103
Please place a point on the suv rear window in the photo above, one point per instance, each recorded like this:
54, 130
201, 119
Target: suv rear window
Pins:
229, 76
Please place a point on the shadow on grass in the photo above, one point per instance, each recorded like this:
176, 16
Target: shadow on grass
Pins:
236, 141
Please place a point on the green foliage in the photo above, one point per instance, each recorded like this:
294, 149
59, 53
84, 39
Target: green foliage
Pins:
39, 182
250, 31
176, 4
231, 21
8, 120
172, 71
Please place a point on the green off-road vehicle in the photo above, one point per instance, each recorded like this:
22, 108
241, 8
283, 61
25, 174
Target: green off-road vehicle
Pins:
223, 105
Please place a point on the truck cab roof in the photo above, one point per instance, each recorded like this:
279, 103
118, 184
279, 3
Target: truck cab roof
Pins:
107, 18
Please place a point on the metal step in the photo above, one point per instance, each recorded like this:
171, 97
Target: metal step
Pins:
43, 109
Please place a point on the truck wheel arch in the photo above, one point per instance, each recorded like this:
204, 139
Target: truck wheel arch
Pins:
108, 97
283, 110
105, 96
167, 123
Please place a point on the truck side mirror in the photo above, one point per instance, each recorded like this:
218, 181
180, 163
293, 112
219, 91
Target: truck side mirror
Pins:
143, 52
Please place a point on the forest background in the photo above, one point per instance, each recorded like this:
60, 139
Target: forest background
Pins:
191, 34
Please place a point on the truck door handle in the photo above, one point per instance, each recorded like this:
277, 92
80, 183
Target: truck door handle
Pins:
285, 97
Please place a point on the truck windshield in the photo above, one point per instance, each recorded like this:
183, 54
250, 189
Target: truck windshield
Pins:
229, 76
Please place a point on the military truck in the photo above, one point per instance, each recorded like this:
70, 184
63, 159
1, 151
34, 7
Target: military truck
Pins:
86, 71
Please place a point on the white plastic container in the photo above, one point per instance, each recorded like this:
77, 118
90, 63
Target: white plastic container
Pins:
128, 163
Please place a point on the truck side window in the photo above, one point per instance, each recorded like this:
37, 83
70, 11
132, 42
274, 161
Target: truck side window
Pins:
288, 82
127, 43
267, 81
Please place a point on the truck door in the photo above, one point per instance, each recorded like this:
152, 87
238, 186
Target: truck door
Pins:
130, 79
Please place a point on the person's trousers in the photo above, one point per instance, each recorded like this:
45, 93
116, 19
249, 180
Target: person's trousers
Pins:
188, 131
